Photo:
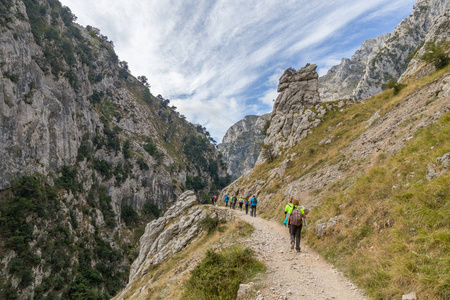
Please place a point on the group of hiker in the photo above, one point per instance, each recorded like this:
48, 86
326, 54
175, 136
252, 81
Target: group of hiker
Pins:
295, 216
238, 200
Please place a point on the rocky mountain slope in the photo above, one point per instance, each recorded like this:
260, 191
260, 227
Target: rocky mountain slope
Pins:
87, 153
382, 59
341, 80
357, 163
240, 146
181, 228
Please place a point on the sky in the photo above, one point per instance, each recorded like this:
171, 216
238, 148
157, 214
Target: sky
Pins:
220, 60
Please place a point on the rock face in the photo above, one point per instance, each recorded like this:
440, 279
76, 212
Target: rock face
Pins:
293, 116
391, 61
180, 226
341, 80
438, 33
71, 111
386, 57
240, 145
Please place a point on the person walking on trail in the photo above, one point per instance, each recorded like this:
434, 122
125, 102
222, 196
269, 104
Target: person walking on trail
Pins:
246, 206
288, 207
235, 199
253, 203
231, 202
226, 200
213, 200
297, 215
287, 210
241, 202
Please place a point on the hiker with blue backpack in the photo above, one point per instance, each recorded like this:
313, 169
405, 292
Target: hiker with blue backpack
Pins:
226, 200
295, 223
253, 203
246, 206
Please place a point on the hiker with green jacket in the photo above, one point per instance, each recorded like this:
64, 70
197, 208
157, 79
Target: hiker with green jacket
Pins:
297, 214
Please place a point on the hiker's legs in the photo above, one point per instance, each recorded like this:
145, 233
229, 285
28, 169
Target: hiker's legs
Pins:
297, 230
292, 233
246, 209
253, 211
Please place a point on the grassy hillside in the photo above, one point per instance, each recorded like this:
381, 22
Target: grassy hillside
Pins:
211, 267
392, 234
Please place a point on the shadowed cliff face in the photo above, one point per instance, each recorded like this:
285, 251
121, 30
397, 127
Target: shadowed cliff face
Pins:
71, 111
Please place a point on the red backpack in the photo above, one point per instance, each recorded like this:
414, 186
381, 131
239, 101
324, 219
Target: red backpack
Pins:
296, 216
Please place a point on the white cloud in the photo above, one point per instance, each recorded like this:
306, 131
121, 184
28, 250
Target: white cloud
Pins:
226, 54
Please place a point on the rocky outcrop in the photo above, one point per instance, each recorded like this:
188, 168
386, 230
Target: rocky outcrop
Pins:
180, 226
438, 33
240, 146
392, 60
341, 80
296, 109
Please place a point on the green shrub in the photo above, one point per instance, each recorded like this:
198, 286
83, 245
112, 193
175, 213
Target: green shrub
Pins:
104, 167
68, 179
393, 84
150, 208
435, 54
218, 275
211, 224
142, 164
128, 215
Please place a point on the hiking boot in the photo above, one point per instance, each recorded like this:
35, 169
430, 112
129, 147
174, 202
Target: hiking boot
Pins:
298, 250
292, 246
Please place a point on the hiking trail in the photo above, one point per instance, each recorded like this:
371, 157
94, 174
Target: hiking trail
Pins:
292, 275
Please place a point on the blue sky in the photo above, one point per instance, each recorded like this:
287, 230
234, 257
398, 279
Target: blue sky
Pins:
218, 61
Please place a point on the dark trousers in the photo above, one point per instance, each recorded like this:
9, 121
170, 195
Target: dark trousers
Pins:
295, 235
240, 205
246, 209
226, 203
253, 211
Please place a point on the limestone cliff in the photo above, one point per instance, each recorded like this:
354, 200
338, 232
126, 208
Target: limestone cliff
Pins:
74, 122
392, 60
437, 35
341, 80
384, 58
240, 146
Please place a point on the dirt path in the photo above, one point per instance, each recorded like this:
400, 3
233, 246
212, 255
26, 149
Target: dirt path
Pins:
292, 275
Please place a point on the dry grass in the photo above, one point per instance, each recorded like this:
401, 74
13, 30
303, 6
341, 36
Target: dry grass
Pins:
395, 234
168, 282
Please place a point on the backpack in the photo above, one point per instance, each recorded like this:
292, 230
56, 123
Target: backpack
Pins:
296, 217
253, 201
